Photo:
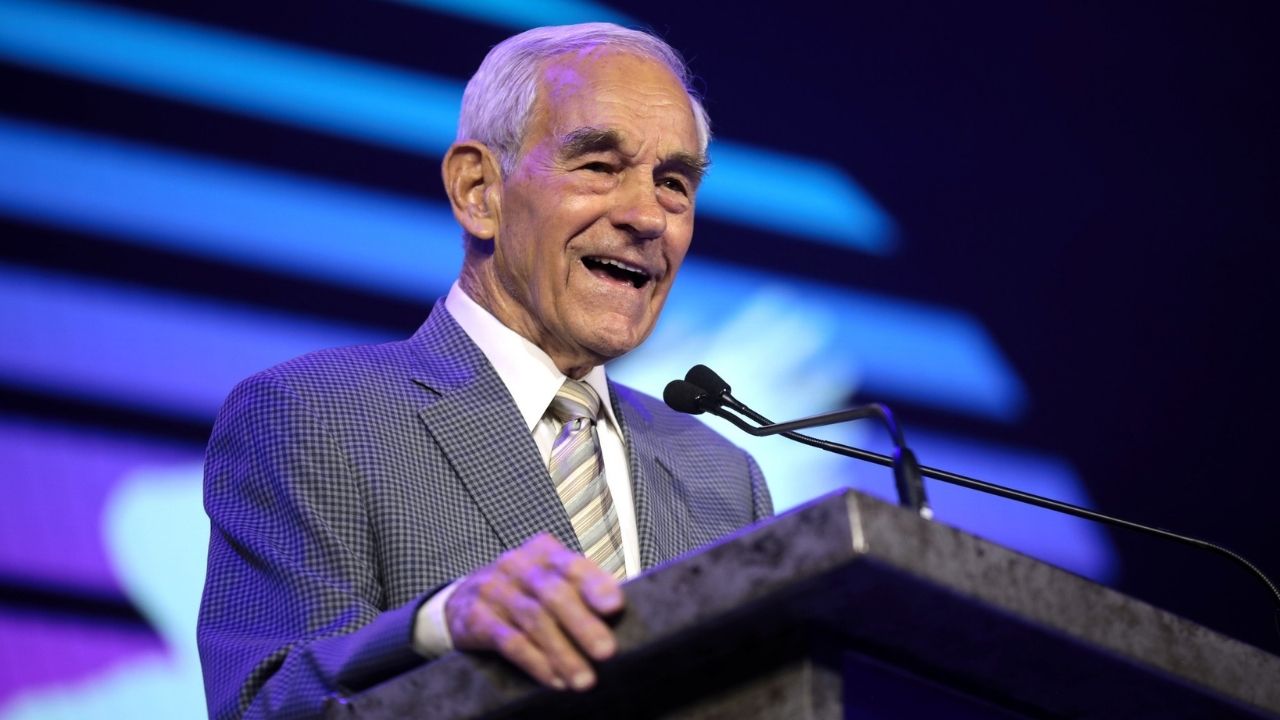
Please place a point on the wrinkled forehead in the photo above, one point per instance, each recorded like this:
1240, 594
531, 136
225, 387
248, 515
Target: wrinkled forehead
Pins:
610, 89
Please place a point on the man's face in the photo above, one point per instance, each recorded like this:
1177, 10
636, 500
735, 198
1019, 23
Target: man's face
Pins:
597, 215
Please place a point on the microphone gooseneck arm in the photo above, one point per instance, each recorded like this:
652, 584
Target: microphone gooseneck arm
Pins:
704, 390
691, 397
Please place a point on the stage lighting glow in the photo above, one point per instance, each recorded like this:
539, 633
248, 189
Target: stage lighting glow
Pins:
142, 348
377, 103
286, 223
521, 15
400, 246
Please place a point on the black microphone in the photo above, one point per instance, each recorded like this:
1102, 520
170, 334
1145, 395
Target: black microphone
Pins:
707, 379
692, 396
703, 390
686, 397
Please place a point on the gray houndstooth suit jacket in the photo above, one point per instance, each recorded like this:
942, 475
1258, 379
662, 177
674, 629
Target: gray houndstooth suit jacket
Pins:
344, 487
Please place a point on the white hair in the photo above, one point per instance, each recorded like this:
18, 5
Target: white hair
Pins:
500, 96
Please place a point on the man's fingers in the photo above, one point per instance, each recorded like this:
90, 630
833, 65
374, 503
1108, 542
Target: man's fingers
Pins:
516, 647
603, 593
537, 605
565, 603
543, 626
599, 589
477, 622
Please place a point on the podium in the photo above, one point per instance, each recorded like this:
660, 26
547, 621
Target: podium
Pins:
849, 607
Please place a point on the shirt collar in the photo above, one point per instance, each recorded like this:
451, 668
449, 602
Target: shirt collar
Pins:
528, 373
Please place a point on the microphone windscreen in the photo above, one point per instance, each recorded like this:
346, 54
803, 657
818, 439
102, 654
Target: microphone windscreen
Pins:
683, 396
707, 379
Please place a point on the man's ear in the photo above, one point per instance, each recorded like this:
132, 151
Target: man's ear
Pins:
473, 182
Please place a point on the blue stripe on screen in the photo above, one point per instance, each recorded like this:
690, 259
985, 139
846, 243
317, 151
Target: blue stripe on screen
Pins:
523, 14
286, 223
1075, 544
793, 195
376, 103
291, 84
141, 348
884, 347
399, 246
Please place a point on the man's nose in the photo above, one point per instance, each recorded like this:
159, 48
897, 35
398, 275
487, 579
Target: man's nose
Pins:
637, 208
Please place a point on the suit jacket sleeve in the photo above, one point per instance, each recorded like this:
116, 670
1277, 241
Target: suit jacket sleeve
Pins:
293, 607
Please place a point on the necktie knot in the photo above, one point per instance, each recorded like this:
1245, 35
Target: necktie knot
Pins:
575, 401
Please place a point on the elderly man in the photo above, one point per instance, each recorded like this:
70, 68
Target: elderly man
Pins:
481, 485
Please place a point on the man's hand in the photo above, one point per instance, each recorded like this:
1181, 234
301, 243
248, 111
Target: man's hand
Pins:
539, 606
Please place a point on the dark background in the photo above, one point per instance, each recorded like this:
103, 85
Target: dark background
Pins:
1096, 182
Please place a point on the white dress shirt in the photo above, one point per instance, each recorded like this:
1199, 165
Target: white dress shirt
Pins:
533, 380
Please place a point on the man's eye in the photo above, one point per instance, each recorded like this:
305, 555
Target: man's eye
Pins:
597, 166
675, 184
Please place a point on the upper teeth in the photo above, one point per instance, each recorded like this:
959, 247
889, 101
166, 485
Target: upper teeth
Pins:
620, 264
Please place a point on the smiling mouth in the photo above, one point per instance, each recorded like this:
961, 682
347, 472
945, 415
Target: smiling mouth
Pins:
617, 270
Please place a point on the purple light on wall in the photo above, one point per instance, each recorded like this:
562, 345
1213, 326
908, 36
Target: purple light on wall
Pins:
136, 347
56, 483
39, 651
1078, 545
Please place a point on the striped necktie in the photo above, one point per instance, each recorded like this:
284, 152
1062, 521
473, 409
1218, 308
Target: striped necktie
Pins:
577, 470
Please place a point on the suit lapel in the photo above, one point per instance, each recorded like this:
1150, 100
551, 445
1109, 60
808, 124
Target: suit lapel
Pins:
475, 422
661, 505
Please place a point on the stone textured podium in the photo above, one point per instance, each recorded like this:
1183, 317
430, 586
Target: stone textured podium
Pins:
851, 607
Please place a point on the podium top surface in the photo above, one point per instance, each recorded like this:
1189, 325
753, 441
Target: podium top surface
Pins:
854, 573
